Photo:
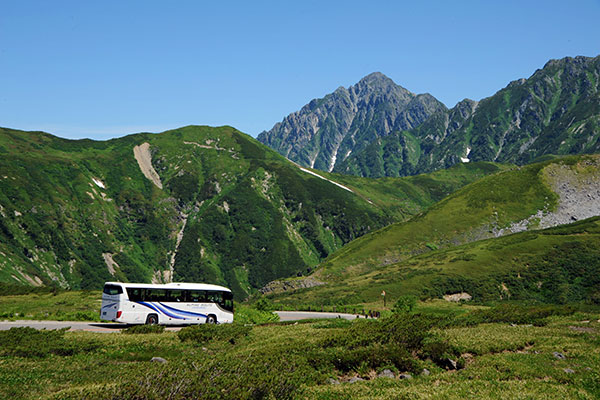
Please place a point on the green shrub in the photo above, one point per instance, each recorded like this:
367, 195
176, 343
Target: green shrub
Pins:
438, 350
373, 357
213, 333
405, 304
263, 374
373, 344
333, 323
515, 314
247, 315
143, 329
34, 343
264, 304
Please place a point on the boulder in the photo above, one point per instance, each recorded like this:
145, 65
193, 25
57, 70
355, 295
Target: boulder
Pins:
449, 364
386, 373
558, 356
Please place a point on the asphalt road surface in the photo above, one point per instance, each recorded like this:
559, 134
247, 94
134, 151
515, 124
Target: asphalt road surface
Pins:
115, 327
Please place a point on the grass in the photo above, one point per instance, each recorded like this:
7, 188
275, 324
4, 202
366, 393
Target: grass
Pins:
59, 306
293, 361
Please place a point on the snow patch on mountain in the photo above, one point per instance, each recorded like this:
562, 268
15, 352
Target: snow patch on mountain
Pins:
465, 159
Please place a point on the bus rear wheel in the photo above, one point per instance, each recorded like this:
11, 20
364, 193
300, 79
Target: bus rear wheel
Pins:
211, 319
152, 319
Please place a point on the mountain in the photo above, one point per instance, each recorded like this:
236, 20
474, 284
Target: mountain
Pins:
461, 242
191, 204
327, 130
556, 111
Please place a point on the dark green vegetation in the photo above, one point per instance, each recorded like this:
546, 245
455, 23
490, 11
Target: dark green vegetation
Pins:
143, 329
201, 334
494, 358
230, 211
444, 250
28, 342
376, 129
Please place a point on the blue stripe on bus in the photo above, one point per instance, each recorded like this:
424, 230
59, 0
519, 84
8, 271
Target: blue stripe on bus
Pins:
189, 313
109, 305
159, 310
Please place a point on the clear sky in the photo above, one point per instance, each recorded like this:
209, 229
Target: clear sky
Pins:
104, 69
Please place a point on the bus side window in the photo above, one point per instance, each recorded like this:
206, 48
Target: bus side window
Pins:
175, 295
157, 295
196, 296
135, 294
215, 297
192, 296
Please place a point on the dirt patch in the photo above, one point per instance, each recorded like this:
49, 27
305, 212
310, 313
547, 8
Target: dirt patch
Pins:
144, 159
585, 329
110, 263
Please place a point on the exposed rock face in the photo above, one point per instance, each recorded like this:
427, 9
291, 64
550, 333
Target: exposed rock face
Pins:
326, 131
456, 297
578, 191
289, 285
144, 159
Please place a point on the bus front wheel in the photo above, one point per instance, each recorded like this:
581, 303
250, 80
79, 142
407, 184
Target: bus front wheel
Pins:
152, 319
211, 319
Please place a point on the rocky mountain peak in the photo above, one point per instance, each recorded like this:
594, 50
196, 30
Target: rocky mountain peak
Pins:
327, 130
376, 79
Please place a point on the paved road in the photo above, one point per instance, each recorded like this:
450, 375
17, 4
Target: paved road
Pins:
73, 325
114, 327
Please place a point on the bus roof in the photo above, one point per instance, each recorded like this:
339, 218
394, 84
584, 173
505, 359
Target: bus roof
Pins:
173, 285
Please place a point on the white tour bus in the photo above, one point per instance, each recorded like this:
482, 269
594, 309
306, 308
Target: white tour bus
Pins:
172, 303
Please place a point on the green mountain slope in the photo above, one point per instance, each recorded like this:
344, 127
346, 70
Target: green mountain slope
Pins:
536, 196
555, 111
194, 204
555, 265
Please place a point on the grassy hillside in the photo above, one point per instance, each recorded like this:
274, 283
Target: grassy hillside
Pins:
440, 250
212, 204
405, 197
555, 265
499, 353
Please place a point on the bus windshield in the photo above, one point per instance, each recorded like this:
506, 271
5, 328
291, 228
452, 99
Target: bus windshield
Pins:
112, 289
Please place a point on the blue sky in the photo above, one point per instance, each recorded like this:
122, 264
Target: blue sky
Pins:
109, 68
